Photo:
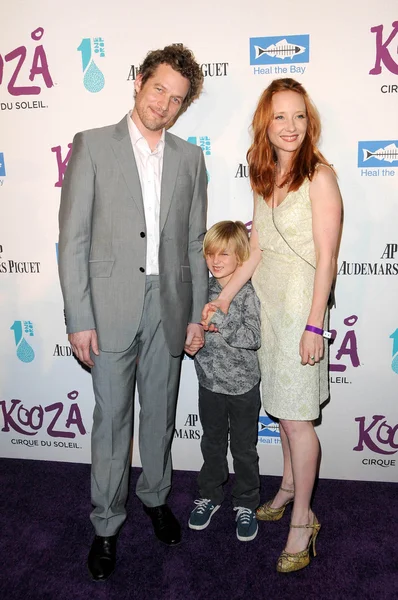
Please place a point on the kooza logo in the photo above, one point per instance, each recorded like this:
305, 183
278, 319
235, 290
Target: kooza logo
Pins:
280, 51
22, 330
62, 163
38, 68
378, 436
249, 226
57, 419
347, 352
383, 54
93, 79
268, 431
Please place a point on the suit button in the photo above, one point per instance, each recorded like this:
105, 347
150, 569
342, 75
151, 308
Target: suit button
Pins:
142, 234
142, 269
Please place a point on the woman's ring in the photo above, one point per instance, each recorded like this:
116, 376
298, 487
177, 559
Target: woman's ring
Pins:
312, 357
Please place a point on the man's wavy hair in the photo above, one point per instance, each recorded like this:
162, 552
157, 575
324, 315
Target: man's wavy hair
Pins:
261, 156
182, 60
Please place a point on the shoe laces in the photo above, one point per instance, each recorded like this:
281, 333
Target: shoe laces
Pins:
202, 505
244, 515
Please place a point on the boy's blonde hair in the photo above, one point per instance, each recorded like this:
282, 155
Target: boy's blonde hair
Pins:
224, 234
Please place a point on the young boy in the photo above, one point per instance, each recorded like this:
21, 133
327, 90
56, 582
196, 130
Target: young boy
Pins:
229, 397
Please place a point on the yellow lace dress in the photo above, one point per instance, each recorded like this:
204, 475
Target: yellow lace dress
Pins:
284, 285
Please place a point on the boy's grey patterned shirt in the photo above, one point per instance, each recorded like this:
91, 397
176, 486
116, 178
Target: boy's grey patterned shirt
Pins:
228, 363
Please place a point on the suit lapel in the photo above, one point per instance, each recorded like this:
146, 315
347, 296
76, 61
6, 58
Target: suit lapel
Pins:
121, 144
171, 162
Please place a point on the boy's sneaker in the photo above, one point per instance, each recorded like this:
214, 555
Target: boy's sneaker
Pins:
247, 526
201, 515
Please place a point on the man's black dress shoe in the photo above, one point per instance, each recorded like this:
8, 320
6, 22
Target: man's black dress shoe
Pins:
167, 528
102, 557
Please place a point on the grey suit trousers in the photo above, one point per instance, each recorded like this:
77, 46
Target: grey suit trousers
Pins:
114, 373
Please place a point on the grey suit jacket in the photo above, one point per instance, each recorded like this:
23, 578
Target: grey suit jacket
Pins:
102, 242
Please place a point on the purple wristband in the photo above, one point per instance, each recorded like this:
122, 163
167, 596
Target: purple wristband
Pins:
324, 333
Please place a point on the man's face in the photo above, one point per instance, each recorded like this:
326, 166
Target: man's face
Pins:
160, 98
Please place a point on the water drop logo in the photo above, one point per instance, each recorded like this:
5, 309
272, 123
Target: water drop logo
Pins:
93, 79
205, 143
2, 165
394, 363
23, 329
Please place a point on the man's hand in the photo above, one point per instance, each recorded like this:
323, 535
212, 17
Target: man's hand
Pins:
195, 338
81, 343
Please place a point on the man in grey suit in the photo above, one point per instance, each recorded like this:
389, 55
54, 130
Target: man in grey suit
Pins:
134, 281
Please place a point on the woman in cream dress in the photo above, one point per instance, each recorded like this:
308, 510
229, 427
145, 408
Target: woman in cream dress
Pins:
294, 241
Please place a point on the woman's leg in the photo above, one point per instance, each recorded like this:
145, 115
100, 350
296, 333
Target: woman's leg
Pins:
287, 479
304, 451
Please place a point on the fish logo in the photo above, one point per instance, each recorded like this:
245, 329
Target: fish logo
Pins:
267, 427
371, 154
281, 49
274, 50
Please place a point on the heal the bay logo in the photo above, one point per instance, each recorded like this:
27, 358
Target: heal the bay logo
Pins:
279, 55
378, 158
93, 78
268, 431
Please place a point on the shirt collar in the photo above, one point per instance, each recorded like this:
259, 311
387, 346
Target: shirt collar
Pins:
136, 135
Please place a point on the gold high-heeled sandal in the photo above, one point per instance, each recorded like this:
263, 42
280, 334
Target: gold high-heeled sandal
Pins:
288, 562
266, 513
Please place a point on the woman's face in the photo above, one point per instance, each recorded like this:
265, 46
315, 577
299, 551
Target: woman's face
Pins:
288, 126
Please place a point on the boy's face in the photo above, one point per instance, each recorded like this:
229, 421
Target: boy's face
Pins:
222, 264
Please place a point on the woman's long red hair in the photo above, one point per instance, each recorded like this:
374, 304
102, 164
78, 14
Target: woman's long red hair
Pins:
261, 156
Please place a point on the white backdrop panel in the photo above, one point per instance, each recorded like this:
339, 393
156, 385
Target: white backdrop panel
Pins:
46, 399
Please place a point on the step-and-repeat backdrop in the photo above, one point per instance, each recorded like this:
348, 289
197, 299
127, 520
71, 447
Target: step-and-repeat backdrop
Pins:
65, 67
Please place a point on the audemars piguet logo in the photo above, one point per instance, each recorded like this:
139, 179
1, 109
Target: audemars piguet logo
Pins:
386, 265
